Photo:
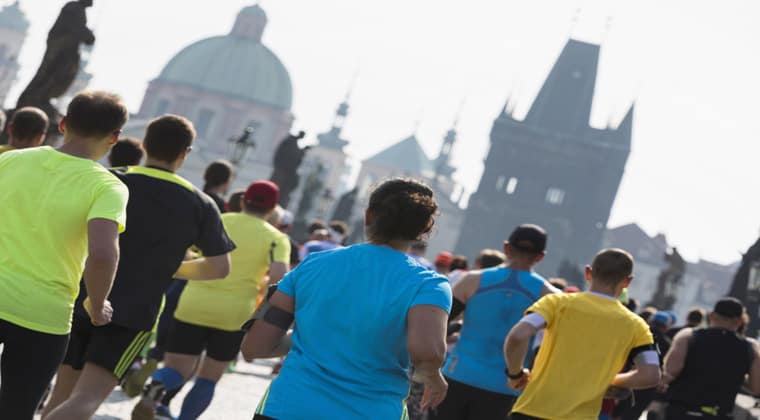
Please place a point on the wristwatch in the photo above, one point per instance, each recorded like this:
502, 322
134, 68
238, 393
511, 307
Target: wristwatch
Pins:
517, 376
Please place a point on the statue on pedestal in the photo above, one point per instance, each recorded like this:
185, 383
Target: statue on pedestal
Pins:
287, 159
668, 281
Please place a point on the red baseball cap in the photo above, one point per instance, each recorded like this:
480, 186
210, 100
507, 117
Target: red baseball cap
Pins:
444, 258
264, 194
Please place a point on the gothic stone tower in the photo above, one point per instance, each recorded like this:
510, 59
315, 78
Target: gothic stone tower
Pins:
552, 168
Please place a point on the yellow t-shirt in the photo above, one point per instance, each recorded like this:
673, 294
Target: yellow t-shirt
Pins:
587, 341
46, 199
226, 304
6, 148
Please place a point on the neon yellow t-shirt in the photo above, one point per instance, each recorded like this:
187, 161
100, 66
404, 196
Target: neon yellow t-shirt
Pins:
46, 199
587, 341
226, 304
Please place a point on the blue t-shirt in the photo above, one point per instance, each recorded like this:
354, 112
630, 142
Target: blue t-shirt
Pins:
348, 357
498, 304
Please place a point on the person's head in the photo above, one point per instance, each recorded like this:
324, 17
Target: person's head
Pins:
338, 231
261, 198
558, 282
235, 203
647, 313
286, 222
127, 151
727, 313
320, 235
488, 258
632, 305
275, 216
94, 119
168, 139
611, 270
27, 127
695, 317
660, 321
459, 262
400, 212
526, 246
442, 262
316, 225
218, 176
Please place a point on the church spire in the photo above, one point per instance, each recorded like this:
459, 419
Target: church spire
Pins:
443, 161
332, 139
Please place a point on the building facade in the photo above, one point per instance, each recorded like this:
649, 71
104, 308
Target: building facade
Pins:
552, 168
13, 29
225, 84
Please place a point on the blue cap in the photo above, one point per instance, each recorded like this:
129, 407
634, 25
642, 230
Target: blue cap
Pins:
661, 318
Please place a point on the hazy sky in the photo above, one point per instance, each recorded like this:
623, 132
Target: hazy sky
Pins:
692, 68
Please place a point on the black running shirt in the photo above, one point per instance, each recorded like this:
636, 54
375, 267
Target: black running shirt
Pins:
167, 215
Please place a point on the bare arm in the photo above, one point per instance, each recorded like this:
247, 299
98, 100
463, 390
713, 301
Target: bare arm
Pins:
753, 381
265, 339
102, 260
206, 268
467, 287
277, 271
676, 357
426, 344
515, 348
642, 377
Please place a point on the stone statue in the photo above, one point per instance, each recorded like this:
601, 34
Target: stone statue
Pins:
311, 188
241, 144
345, 208
287, 159
60, 63
668, 281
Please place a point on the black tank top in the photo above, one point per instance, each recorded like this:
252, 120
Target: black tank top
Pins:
713, 373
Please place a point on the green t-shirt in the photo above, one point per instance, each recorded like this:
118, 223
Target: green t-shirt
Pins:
46, 199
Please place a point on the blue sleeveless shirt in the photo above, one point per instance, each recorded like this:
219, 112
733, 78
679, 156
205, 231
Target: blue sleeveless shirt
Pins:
498, 304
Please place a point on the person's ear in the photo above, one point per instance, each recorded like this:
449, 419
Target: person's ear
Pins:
39, 140
628, 281
588, 273
539, 258
506, 248
368, 217
62, 125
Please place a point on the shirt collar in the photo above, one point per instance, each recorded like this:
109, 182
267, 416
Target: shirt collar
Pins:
602, 295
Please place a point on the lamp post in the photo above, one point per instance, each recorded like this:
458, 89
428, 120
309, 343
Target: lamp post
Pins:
240, 145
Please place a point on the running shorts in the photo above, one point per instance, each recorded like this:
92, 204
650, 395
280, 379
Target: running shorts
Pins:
185, 338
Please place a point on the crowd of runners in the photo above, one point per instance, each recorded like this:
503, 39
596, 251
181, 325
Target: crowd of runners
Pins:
134, 277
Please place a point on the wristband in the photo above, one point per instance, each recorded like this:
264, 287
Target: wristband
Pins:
514, 377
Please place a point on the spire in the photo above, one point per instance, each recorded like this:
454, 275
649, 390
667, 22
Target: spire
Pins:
443, 161
332, 139
564, 101
250, 23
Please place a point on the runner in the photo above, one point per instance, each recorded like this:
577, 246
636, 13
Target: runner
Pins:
209, 314
27, 128
589, 336
62, 213
333, 238
361, 313
705, 368
126, 152
418, 251
488, 258
168, 216
694, 319
493, 301
217, 178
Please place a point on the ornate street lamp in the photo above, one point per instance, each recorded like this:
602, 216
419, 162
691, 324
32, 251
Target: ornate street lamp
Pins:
240, 145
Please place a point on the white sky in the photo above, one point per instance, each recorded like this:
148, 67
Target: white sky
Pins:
691, 66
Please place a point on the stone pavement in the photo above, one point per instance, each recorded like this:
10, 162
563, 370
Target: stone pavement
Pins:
236, 397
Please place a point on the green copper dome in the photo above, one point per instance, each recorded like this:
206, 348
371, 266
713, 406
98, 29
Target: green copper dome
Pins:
12, 17
237, 64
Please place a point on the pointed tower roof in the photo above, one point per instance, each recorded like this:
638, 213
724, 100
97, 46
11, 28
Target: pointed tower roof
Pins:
564, 101
407, 156
332, 139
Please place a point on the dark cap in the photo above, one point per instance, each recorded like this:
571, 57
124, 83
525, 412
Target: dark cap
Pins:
729, 307
528, 238
263, 194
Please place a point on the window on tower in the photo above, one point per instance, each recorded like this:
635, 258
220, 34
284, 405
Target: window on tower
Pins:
555, 196
511, 186
204, 122
500, 182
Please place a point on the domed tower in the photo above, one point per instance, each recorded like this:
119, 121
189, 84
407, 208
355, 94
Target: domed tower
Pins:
225, 84
13, 27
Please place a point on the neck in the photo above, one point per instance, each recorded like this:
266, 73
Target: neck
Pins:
520, 265
604, 289
81, 147
397, 244
219, 189
172, 167
19, 144
725, 325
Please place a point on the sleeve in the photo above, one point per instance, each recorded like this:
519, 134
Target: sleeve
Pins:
546, 307
435, 290
280, 251
212, 238
110, 203
288, 283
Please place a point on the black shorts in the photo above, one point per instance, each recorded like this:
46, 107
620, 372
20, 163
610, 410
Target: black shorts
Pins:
192, 339
111, 346
468, 402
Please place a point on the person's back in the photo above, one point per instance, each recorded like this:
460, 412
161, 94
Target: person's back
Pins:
716, 364
227, 303
364, 300
504, 294
43, 238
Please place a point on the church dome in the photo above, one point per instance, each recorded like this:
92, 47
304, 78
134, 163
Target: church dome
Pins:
236, 65
12, 17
